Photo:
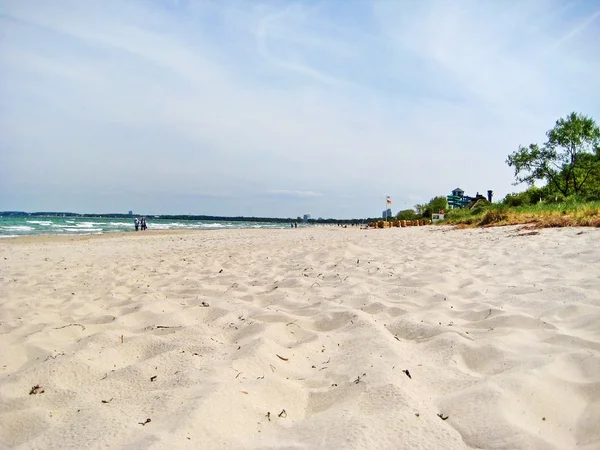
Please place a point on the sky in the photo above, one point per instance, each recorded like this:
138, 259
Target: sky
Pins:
281, 108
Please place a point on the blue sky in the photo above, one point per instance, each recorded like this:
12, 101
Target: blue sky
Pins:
280, 108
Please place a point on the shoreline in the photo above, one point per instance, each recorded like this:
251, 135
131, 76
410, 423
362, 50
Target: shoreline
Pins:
32, 238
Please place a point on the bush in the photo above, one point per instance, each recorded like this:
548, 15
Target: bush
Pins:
514, 200
407, 214
531, 196
557, 198
457, 214
535, 194
480, 206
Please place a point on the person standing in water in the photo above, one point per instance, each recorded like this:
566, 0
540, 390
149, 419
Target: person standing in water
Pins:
137, 223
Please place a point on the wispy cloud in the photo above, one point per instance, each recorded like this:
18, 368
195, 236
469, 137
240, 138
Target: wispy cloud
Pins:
206, 106
577, 29
268, 30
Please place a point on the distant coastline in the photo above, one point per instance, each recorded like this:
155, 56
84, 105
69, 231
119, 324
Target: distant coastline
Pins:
181, 217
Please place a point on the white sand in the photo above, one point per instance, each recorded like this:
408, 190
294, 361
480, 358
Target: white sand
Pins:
500, 333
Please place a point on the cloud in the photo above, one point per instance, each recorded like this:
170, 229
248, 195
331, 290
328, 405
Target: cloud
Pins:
206, 106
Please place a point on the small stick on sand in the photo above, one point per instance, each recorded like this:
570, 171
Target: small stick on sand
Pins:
71, 325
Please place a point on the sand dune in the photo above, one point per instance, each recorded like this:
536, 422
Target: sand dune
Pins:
302, 339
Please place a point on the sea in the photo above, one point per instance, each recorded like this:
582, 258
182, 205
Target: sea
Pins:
13, 226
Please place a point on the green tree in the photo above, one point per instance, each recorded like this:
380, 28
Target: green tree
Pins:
568, 161
530, 196
435, 205
407, 214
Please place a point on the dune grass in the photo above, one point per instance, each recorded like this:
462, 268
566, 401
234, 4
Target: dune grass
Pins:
570, 213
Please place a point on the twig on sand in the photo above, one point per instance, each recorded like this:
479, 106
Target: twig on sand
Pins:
268, 415
441, 416
281, 357
359, 377
407, 373
283, 414
144, 423
107, 401
489, 314
71, 325
54, 357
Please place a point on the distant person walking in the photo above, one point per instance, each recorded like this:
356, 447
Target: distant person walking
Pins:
137, 224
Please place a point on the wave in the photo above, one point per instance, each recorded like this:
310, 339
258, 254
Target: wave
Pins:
215, 225
90, 224
17, 227
44, 223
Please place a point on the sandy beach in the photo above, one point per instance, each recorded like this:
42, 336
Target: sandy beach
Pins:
424, 337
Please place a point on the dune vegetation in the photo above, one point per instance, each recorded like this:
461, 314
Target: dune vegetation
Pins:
571, 212
563, 176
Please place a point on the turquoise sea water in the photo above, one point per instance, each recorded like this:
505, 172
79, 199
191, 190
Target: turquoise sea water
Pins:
11, 226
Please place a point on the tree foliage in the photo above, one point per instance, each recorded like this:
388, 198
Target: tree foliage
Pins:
407, 214
531, 196
435, 205
569, 161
